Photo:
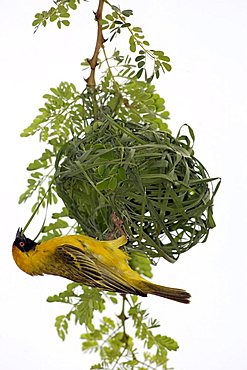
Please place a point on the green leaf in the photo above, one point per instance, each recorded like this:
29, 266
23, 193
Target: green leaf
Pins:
59, 224
53, 17
139, 57
141, 263
114, 300
36, 22
113, 183
66, 23
127, 13
103, 185
109, 17
167, 66
61, 325
72, 4
141, 64
36, 175
101, 169
132, 43
146, 43
36, 164
167, 342
137, 29
65, 15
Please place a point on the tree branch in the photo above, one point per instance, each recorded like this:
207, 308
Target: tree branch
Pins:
99, 43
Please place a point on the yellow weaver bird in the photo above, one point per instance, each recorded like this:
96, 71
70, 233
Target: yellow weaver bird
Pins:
80, 258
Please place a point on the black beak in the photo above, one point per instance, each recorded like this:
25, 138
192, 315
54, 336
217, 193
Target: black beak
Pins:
19, 233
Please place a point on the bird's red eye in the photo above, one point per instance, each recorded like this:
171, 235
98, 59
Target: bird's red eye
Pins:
21, 244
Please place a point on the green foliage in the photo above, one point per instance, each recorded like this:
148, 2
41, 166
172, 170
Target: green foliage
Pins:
141, 263
61, 117
58, 13
118, 21
114, 22
124, 341
84, 302
68, 114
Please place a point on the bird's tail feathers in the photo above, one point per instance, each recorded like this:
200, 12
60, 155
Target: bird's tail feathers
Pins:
174, 294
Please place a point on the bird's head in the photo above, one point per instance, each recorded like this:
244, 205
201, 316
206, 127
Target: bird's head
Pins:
23, 243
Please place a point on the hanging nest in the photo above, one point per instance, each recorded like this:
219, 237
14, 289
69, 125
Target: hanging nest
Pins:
151, 180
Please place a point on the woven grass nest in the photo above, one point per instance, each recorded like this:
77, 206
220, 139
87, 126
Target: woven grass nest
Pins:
150, 179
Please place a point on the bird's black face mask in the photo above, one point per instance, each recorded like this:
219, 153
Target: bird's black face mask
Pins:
23, 243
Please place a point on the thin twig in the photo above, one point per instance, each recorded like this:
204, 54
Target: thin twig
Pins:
123, 318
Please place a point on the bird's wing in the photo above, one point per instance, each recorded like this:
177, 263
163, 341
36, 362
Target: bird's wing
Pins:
79, 264
87, 270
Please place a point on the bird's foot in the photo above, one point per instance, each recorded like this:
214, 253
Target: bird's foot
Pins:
119, 224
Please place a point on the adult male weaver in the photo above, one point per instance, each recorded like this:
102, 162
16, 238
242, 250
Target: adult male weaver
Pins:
80, 258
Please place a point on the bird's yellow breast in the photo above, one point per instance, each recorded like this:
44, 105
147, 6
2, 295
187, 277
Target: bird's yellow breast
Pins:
42, 259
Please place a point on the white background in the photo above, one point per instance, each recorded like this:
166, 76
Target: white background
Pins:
206, 41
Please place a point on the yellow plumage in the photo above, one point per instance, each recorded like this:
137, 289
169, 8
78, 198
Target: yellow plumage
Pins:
100, 264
